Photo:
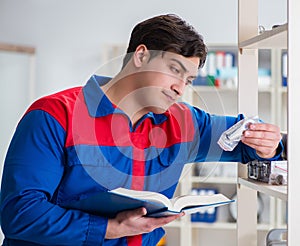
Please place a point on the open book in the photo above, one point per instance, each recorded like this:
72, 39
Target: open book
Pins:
110, 203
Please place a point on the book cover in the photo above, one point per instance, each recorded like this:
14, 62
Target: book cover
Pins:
110, 203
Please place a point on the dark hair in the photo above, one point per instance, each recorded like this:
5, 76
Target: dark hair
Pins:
167, 33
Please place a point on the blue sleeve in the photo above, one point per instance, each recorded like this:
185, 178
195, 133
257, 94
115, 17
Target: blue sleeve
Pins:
33, 169
208, 129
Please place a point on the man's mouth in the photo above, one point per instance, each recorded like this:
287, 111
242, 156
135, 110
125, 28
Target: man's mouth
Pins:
169, 96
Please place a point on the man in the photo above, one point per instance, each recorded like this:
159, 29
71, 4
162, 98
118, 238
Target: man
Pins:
126, 131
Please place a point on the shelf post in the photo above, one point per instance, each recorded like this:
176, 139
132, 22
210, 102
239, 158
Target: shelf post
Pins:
248, 105
293, 122
185, 227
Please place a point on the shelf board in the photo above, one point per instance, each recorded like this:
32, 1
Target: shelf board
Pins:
203, 225
218, 180
173, 224
265, 89
283, 89
17, 48
207, 88
275, 38
278, 191
264, 227
215, 225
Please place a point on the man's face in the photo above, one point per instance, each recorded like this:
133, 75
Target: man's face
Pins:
162, 80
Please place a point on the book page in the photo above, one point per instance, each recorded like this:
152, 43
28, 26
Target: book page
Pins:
195, 200
144, 195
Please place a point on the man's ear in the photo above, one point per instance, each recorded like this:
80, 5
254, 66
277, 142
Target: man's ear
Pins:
140, 55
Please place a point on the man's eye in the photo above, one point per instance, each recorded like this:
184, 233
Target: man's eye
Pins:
189, 82
175, 69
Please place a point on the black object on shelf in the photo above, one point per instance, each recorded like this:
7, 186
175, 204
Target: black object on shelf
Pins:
259, 170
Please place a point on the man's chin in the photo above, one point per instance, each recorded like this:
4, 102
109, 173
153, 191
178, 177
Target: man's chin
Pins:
159, 111
156, 110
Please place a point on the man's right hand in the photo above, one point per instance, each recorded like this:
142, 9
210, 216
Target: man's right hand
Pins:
134, 222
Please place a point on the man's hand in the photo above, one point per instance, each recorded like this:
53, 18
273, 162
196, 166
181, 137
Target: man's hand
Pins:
133, 222
264, 138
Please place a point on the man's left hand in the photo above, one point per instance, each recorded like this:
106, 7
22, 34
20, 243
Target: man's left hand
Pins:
263, 137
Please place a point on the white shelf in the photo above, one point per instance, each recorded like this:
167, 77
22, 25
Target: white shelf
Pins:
275, 38
215, 225
207, 88
264, 227
277, 191
266, 90
283, 89
17, 48
203, 225
219, 180
173, 224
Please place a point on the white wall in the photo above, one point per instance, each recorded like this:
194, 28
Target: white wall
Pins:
69, 34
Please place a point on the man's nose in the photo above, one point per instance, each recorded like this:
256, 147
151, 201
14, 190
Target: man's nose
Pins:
178, 86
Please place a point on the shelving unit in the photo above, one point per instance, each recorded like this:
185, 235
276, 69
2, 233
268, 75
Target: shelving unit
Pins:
223, 100
284, 37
